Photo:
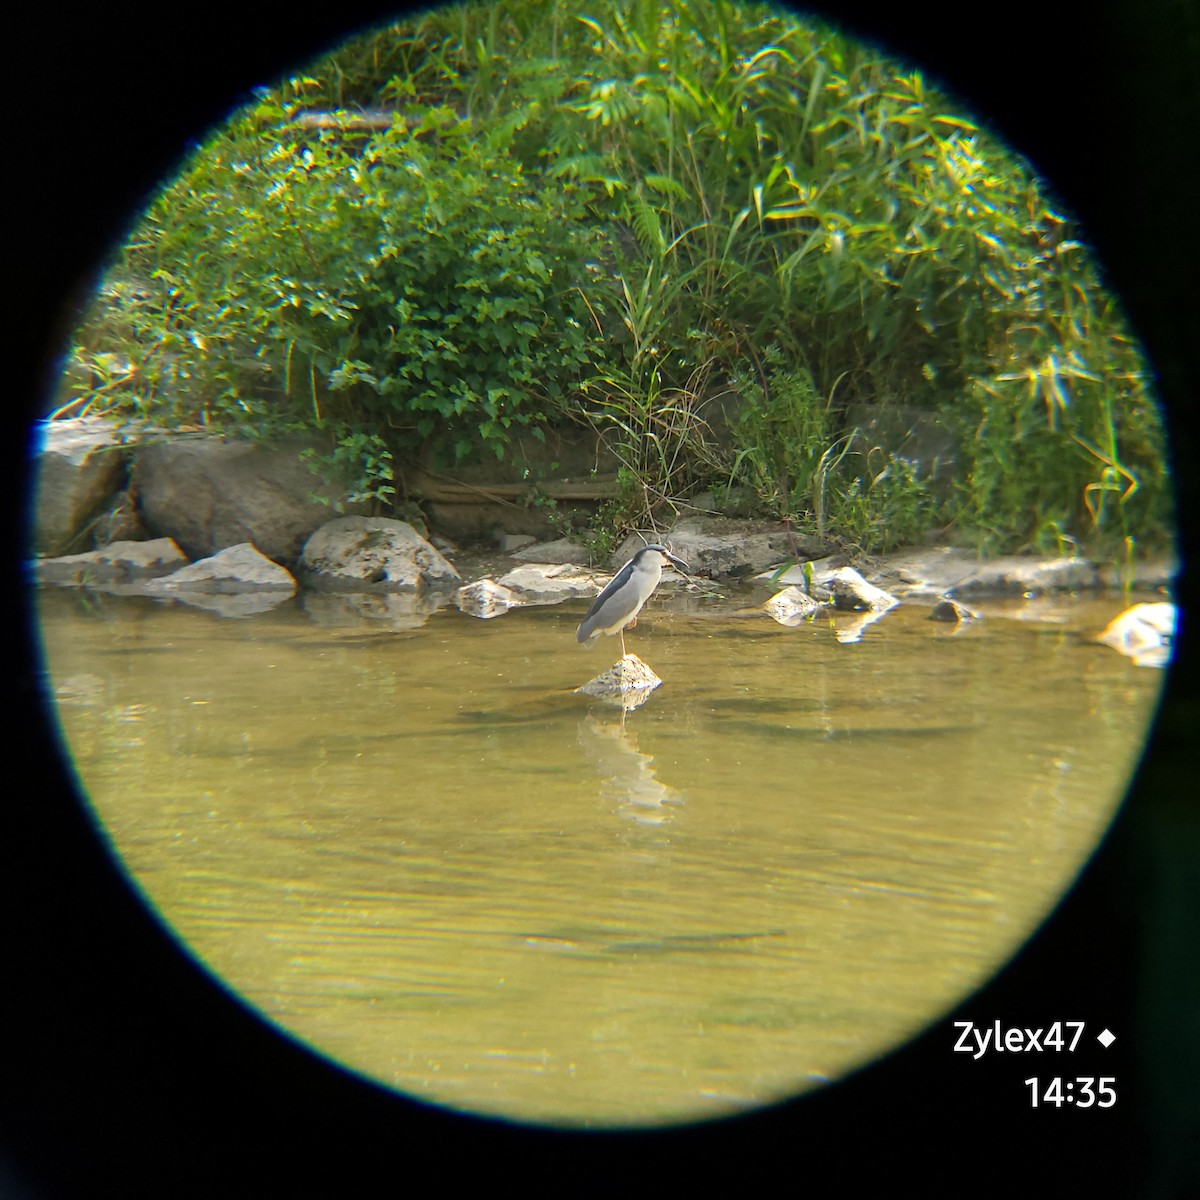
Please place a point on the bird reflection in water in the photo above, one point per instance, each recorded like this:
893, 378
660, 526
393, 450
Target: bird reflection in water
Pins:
627, 775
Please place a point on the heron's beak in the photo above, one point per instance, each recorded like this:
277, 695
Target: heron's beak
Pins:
678, 562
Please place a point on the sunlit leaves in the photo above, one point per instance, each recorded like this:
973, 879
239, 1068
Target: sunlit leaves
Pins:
636, 193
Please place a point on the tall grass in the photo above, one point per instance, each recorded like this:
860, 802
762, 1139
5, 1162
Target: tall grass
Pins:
723, 186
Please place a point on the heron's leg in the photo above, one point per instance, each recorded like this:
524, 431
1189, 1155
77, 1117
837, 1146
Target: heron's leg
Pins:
621, 631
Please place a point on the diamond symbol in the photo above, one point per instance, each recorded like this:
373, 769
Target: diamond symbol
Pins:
1106, 1039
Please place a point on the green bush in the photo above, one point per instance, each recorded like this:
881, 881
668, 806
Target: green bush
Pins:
789, 187
414, 285
613, 213
807, 470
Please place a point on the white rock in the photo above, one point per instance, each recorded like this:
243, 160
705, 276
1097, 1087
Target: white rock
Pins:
238, 568
373, 554
791, 606
851, 591
485, 599
1144, 632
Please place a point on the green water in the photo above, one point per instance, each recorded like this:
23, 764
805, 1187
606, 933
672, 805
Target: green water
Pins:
418, 851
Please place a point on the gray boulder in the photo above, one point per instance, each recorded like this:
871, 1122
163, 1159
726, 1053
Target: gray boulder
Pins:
561, 551
80, 471
209, 493
725, 548
365, 554
542, 583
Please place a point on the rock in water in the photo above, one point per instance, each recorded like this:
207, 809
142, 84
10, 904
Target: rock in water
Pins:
241, 568
953, 612
485, 599
851, 592
627, 682
1145, 633
118, 562
362, 554
791, 606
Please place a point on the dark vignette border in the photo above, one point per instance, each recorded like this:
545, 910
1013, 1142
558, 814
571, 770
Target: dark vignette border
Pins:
124, 1071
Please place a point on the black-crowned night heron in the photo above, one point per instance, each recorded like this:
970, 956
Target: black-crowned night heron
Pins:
619, 604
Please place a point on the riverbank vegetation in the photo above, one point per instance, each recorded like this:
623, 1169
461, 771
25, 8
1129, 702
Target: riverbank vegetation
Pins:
757, 256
